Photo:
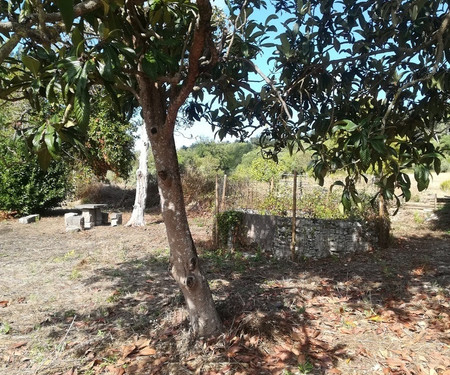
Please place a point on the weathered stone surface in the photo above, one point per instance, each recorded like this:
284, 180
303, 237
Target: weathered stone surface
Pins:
116, 218
69, 214
72, 229
74, 221
29, 219
89, 225
88, 219
315, 238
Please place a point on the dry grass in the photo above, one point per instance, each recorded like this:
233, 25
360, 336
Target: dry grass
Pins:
102, 302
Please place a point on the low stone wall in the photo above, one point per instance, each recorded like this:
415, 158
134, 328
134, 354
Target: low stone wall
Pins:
315, 238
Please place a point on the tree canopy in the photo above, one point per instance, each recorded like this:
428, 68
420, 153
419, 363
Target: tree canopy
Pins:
366, 84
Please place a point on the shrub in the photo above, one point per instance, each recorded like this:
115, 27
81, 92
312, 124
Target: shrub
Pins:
445, 186
24, 186
229, 224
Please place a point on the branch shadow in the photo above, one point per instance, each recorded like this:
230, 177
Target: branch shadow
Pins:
273, 311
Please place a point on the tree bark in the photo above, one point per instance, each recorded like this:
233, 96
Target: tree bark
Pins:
184, 262
137, 216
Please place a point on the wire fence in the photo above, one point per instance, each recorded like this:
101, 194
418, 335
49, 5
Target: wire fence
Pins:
275, 196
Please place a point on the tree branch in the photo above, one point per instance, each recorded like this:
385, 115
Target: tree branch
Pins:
7, 48
272, 85
201, 32
439, 53
79, 10
235, 29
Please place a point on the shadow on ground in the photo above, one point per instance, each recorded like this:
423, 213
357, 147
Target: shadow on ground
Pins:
274, 312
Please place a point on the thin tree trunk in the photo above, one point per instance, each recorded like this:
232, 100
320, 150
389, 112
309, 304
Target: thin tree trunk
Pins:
184, 262
137, 216
159, 109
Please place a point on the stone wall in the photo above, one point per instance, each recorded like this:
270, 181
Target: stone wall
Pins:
315, 238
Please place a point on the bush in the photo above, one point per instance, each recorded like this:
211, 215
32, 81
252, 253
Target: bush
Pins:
445, 186
445, 165
24, 186
198, 187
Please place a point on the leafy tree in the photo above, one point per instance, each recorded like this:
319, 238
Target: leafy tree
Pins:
25, 187
108, 143
212, 158
373, 77
388, 87
149, 54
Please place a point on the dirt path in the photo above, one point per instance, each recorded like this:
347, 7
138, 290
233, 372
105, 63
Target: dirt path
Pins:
101, 302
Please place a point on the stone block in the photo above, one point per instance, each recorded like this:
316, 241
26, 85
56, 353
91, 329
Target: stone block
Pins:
29, 219
88, 219
75, 221
69, 214
116, 218
72, 229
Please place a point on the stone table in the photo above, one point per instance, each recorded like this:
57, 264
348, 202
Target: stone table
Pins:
92, 214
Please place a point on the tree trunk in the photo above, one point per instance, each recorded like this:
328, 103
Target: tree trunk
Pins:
137, 216
184, 262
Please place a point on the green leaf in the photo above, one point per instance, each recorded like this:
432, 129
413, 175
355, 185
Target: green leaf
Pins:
273, 16
406, 194
336, 183
378, 145
150, 65
437, 165
44, 158
422, 176
81, 110
347, 125
364, 154
81, 103
38, 137
50, 91
32, 64
345, 200
78, 40
51, 141
66, 9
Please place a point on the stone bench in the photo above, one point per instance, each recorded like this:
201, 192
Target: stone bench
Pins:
74, 222
29, 219
116, 219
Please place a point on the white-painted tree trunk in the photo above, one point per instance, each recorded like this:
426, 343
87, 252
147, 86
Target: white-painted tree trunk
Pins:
137, 216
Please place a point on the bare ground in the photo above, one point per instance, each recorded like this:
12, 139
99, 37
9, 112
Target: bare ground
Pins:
102, 302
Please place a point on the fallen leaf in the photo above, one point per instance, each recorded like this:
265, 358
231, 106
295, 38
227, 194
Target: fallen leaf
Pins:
142, 343
232, 351
112, 370
127, 350
245, 358
376, 318
18, 344
160, 361
4, 303
284, 355
147, 351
